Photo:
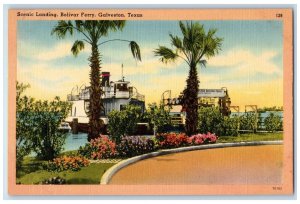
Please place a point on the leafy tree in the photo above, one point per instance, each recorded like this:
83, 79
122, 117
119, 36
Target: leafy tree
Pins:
92, 32
23, 132
192, 48
158, 117
231, 126
210, 120
124, 122
249, 121
37, 125
48, 141
273, 122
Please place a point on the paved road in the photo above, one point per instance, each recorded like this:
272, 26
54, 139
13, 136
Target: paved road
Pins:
233, 165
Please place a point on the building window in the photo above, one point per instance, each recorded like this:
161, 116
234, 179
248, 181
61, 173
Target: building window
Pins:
122, 87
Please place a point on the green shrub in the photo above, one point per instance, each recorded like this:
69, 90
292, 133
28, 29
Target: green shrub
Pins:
124, 122
37, 125
54, 181
23, 132
273, 122
230, 126
248, 121
158, 118
210, 120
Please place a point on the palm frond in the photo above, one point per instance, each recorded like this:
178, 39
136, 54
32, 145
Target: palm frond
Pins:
135, 50
70, 27
183, 28
203, 63
79, 25
119, 25
62, 28
77, 47
211, 32
212, 44
103, 27
167, 55
176, 41
193, 34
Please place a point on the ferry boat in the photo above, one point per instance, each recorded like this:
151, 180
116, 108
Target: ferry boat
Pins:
116, 95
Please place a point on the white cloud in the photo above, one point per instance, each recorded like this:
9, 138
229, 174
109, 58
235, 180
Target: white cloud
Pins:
47, 81
246, 62
37, 52
239, 66
148, 66
231, 58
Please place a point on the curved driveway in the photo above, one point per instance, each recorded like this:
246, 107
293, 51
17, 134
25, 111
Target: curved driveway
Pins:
232, 165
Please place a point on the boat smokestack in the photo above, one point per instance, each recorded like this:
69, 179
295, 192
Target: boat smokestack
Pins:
105, 78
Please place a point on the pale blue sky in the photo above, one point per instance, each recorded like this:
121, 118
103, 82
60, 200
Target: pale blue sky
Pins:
251, 54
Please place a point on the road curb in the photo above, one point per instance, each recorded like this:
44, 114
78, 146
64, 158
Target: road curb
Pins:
114, 169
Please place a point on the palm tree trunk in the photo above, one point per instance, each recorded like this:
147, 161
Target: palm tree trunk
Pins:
191, 101
95, 105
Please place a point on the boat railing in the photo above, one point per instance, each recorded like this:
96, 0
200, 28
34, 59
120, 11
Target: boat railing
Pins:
71, 97
85, 96
107, 94
138, 96
122, 94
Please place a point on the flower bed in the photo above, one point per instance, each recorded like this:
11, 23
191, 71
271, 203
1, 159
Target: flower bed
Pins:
99, 148
135, 145
73, 163
129, 146
172, 140
202, 139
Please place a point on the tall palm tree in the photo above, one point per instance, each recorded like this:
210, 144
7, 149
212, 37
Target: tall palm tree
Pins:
92, 32
193, 47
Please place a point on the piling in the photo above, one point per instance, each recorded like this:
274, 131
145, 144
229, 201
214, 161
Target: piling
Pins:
75, 126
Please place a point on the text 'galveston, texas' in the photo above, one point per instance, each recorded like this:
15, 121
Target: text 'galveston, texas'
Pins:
80, 14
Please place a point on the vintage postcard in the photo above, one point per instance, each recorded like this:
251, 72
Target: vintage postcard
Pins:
150, 102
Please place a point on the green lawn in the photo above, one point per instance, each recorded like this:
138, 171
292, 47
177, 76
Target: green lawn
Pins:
32, 173
251, 137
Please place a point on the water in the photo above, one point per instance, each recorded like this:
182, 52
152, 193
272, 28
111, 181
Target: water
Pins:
261, 115
265, 114
74, 141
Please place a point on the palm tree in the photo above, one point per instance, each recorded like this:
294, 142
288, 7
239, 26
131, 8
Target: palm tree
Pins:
92, 32
193, 47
